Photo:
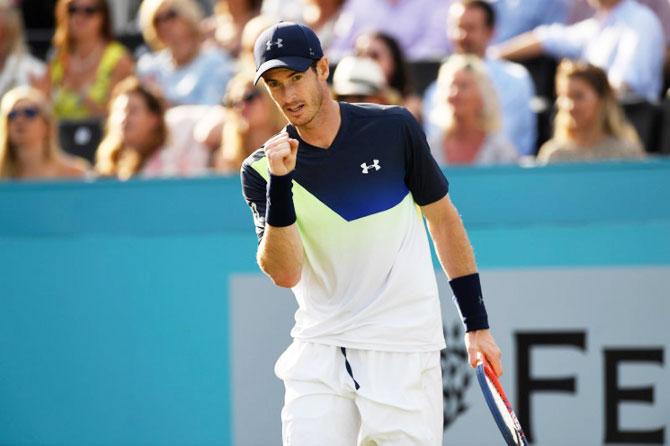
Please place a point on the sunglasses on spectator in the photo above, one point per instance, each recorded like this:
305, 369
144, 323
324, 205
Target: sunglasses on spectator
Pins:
84, 10
248, 97
167, 16
27, 112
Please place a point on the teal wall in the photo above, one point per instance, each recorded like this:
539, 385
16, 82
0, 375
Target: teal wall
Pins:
114, 312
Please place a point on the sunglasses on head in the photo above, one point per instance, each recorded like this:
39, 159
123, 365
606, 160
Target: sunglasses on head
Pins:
248, 97
85, 10
28, 112
167, 16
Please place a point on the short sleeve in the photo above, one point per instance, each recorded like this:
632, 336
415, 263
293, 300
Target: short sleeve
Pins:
423, 176
254, 192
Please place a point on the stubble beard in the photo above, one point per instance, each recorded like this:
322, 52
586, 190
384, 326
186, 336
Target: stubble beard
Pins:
316, 105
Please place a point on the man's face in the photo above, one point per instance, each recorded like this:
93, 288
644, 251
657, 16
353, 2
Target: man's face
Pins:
299, 95
468, 31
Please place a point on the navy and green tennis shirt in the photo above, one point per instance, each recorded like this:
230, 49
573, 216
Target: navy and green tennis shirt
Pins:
368, 280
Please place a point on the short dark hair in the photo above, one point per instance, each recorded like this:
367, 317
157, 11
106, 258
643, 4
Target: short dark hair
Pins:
486, 8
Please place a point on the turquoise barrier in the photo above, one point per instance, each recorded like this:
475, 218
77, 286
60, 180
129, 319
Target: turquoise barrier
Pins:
114, 312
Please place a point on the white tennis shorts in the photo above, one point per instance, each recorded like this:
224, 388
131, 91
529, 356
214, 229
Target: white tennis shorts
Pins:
364, 398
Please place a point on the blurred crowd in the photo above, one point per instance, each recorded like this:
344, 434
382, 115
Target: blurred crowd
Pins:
164, 88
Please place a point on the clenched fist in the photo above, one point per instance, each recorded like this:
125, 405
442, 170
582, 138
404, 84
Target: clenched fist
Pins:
281, 152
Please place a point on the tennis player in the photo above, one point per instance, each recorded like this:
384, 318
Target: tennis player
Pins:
334, 199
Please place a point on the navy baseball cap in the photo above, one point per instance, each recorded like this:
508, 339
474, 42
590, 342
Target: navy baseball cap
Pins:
286, 45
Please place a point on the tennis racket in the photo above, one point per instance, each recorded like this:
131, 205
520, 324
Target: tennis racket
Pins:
500, 406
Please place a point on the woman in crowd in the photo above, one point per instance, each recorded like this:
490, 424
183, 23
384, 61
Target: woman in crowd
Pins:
251, 118
386, 51
28, 143
87, 62
139, 140
320, 15
250, 33
589, 123
468, 115
230, 17
17, 66
186, 71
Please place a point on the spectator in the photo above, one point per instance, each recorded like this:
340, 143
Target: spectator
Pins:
361, 79
624, 38
468, 115
17, 66
472, 25
186, 71
320, 15
87, 62
230, 17
251, 119
589, 124
582, 10
140, 141
283, 10
516, 17
385, 50
208, 128
28, 142
417, 26
250, 33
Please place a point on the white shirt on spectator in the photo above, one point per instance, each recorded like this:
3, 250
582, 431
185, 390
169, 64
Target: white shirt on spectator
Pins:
182, 155
18, 70
515, 90
495, 149
627, 42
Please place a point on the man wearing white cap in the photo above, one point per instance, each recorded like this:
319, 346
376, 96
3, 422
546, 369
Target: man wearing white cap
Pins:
334, 199
360, 79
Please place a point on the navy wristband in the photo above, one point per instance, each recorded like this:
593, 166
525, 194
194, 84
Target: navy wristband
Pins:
468, 298
280, 211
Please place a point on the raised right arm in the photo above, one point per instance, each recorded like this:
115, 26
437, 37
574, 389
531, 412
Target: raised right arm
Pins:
280, 252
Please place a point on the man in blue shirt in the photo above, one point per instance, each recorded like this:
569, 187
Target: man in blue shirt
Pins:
472, 25
624, 38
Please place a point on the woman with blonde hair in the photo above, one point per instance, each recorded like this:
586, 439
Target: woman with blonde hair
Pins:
87, 62
468, 116
17, 66
28, 142
138, 138
250, 33
251, 118
230, 17
589, 123
186, 71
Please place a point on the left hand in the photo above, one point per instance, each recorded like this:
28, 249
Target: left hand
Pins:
481, 343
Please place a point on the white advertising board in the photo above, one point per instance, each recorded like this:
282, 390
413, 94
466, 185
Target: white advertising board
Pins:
584, 356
